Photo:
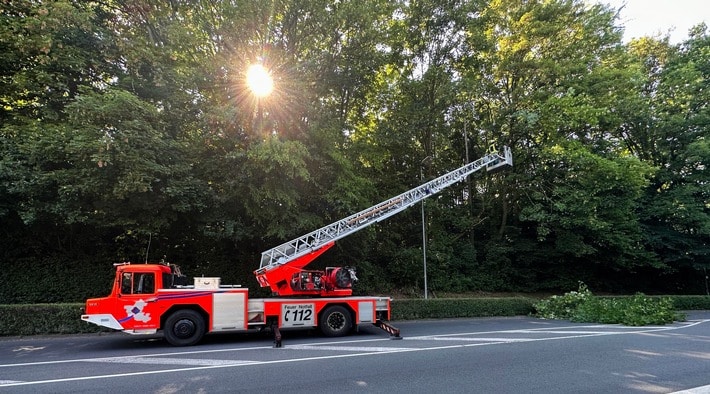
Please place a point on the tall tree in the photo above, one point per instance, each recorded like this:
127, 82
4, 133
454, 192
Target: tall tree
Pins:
540, 73
673, 136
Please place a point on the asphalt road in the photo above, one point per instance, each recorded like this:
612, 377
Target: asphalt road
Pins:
492, 355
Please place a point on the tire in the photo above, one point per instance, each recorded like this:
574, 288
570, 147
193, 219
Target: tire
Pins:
184, 328
335, 321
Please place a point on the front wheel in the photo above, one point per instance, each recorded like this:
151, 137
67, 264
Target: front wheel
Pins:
335, 321
184, 328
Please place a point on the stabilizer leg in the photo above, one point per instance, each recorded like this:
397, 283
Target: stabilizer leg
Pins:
390, 329
277, 336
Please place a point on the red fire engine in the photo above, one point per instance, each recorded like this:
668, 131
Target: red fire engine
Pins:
152, 298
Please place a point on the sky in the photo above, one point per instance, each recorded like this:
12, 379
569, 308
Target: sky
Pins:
649, 17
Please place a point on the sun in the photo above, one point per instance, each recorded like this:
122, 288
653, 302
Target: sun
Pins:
259, 80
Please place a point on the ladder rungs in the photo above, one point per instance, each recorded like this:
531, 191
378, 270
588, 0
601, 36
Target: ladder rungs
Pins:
315, 240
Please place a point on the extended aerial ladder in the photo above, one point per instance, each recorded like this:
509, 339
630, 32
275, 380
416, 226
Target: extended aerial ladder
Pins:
281, 267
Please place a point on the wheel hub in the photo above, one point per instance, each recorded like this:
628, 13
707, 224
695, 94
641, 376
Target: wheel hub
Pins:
336, 321
184, 328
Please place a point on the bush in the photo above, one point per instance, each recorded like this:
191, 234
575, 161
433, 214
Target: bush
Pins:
583, 306
564, 306
40, 319
599, 310
641, 310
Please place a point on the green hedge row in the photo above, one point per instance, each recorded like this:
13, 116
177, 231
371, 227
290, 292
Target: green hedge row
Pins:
440, 308
690, 303
43, 319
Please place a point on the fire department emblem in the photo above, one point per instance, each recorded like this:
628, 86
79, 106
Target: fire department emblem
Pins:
136, 311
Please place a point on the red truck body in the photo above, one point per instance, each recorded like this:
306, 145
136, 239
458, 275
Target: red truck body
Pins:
144, 300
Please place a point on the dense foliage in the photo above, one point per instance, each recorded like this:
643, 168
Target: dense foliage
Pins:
127, 133
583, 306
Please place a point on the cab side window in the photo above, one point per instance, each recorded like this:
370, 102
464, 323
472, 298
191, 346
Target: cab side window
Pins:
143, 283
167, 280
138, 283
126, 280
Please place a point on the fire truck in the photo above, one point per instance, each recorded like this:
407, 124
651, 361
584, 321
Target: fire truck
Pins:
155, 298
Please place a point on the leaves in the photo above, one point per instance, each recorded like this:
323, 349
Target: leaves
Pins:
582, 306
124, 123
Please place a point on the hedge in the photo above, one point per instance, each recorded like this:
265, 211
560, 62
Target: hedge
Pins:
691, 303
439, 308
43, 319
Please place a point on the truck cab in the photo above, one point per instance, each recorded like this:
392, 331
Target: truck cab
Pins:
133, 288
146, 298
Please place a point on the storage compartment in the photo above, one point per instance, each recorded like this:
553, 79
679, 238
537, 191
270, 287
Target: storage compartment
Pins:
207, 283
228, 311
256, 312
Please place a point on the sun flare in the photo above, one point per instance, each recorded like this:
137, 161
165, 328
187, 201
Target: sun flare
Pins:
259, 80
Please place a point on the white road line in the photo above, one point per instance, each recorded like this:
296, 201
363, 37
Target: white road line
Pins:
345, 348
201, 368
235, 349
287, 361
328, 357
572, 332
619, 329
144, 355
477, 339
172, 361
696, 390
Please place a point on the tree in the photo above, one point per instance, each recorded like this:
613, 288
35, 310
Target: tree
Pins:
538, 75
584, 214
673, 136
127, 133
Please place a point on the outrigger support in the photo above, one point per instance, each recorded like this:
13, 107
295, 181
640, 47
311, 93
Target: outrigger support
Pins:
277, 335
390, 329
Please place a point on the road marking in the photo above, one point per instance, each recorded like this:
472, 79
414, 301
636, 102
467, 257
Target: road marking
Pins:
696, 390
346, 348
28, 348
543, 330
569, 332
235, 349
477, 339
618, 330
145, 355
201, 368
171, 361
317, 358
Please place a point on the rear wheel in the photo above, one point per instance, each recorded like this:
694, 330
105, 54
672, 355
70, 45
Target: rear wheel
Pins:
184, 328
335, 321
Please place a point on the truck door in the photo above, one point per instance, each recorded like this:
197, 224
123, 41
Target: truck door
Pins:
137, 296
